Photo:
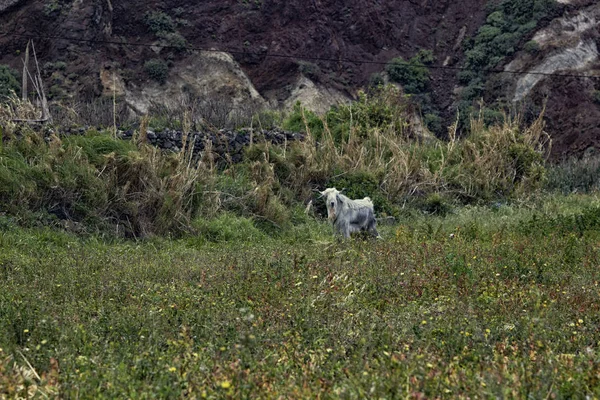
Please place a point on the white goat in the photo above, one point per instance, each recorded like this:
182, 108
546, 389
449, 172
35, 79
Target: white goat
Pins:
347, 215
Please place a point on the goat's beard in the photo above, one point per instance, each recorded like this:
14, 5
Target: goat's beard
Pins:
330, 214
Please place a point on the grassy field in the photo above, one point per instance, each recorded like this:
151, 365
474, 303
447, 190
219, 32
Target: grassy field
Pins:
131, 272
486, 302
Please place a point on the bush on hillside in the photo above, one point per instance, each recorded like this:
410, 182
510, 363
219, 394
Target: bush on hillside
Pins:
532, 47
9, 82
174, 40
507, 24
159, 23
413, 74
302, 120
157, 69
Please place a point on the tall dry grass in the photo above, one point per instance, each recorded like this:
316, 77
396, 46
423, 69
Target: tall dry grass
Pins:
136, 188
371, 146
492, 161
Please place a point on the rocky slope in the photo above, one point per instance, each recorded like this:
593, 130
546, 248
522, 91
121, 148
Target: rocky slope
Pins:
568, 49
251, 31
245, 52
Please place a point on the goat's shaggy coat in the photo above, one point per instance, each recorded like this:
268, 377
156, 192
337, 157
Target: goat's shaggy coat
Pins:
347, 215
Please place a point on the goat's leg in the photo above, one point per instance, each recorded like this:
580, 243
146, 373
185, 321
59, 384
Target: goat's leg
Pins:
373, 228
346, 230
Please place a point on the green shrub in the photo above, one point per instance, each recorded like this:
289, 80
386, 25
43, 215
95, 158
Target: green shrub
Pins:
413, 74
525, 159
473, 91
466, 76
9, 82
52, 8
174, 40
577, 224
425, 57
376, 79
492, 116
487, 33
60, 65
414, 77
56, 92
496, 19
382, 108
301, 119
99, 181
259, 152
575, 175
433, 122
158, 22
436, 204
157, 69
532, 47
227, 227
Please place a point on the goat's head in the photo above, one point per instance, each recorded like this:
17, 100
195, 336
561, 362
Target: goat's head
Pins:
333, 202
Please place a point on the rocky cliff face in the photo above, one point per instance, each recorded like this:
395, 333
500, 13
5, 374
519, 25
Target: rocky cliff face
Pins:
251, 31
568, 49
245, 51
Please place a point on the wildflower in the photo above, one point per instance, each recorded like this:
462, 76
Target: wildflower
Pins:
225, 384
172, 369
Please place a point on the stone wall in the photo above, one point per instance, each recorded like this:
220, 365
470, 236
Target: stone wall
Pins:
225, 143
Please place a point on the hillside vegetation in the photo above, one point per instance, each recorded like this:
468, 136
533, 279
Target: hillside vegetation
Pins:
367, 147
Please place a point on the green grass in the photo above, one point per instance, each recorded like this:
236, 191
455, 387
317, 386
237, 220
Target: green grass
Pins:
485, 287
470, 305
